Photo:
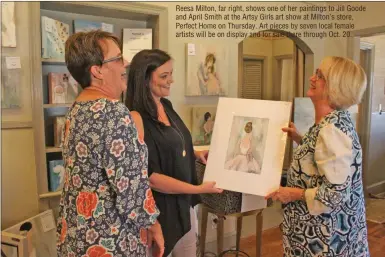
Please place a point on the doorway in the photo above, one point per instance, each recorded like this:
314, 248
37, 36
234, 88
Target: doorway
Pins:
372, 54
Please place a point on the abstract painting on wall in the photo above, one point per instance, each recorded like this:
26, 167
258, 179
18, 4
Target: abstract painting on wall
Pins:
85, 26
248, 145
207, 70
203, 119
10, 82
53, 37
8, 25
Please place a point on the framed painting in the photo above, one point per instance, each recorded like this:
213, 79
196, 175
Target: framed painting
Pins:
248, 145
304, 115
85, 26
207, 68
10, 82
8, 25
203, 119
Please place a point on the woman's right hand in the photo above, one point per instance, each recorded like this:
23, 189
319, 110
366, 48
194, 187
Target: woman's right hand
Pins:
293, 133
208, 187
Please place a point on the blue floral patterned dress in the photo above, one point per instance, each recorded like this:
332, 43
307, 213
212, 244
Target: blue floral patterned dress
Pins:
331, 221
106, 204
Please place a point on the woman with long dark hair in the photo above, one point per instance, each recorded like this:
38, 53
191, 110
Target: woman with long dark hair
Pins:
172, 157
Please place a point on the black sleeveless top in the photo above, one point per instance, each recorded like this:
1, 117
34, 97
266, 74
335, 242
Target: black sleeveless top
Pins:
165, 147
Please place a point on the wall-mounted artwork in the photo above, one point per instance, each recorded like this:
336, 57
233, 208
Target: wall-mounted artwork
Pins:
62, 88
248, 147
8, 25
203, 119
54, 35
207, 70
85, 26
56, 175
304, 115
10, 82
134, 41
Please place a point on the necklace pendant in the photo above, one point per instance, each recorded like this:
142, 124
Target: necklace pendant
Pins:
184, 153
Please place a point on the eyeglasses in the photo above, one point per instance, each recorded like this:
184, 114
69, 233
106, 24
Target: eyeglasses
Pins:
319, 75
120, 57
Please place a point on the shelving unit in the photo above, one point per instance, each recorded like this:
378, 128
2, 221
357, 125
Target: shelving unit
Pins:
120, 15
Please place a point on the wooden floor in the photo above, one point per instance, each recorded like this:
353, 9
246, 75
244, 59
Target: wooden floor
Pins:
272, 242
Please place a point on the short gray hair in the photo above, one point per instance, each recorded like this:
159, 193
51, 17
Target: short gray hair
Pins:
83, 50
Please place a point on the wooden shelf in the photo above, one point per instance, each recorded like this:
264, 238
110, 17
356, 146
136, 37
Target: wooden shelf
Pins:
53, 62
50, 195
52, 149
57, 105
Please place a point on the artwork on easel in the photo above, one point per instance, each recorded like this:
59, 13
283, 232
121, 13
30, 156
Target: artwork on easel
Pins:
8, 25
40, 234
247, 149
10, 82
203, 119
54, 35
207, 68
304, 115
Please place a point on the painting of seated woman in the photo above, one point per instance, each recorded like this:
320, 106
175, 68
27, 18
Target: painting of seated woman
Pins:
203, 119
246, 144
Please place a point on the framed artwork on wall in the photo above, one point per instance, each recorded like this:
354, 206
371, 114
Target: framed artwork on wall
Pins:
85, 26
207, 70
8, 25
136, 40
203, 119
248, 145
10, 82
304, 115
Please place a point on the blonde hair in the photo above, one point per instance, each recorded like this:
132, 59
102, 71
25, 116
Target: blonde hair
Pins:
345, 82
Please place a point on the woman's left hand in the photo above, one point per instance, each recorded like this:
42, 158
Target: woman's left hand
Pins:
202, 156
286, 194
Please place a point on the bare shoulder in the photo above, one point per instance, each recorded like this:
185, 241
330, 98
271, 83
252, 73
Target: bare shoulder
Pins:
138, 123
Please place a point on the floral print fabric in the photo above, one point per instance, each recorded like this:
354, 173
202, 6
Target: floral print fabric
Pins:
106, 204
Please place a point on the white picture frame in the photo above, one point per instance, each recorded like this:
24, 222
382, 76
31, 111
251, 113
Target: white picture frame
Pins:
265, 146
